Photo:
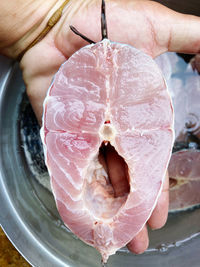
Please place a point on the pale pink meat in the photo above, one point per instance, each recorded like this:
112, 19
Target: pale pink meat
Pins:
184, 173
116, 83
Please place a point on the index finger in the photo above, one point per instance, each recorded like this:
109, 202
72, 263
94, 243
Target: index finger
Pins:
160, 213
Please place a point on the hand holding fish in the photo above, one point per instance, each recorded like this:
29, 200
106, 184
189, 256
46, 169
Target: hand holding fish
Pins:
146, 25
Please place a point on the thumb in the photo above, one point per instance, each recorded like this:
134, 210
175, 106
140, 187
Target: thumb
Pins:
176, 32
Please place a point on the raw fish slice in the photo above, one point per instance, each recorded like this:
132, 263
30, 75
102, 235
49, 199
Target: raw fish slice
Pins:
143, 114
184, 173
128, 79
131, 76
151, 145
76, 87
74, 115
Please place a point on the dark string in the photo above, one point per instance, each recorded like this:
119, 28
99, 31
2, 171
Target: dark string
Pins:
81, 35
104, 31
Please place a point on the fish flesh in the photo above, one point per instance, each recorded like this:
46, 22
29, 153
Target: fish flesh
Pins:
107, 94
184, 173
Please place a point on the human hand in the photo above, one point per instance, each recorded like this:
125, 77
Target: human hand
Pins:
146, 25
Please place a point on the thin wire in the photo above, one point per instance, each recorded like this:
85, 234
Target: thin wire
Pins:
104, 31
81, 35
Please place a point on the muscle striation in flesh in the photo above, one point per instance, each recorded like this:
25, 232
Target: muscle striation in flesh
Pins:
107, 94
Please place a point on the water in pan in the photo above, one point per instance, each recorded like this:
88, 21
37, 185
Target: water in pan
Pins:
186, 138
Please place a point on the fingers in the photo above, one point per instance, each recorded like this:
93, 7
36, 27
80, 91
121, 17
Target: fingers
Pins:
39, 64
158, 218
160, 213
170, 30
117, 171
184, 34
147, 25
140, 243
177, 32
